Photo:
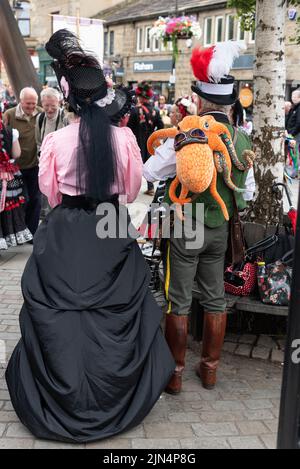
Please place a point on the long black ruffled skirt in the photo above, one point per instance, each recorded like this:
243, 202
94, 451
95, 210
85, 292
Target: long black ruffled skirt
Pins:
92, 360
13, 229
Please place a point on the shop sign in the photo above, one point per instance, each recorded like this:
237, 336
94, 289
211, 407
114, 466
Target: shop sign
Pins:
244, 62
246, 97
119, 72
154, 66
292, 13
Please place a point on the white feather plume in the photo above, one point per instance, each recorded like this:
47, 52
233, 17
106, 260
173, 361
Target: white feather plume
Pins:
224, 56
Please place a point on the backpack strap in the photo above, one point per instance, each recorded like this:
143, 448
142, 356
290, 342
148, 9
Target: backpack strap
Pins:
235, 136
59, 118
41, 120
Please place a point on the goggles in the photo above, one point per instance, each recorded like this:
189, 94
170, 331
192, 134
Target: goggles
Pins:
191, 136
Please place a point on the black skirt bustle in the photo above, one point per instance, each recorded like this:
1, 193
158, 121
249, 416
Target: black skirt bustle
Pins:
92, 360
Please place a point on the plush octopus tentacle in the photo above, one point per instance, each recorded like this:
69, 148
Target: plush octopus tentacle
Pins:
183, 195
223, 159
218, 162
154, 140
216, 127
182, 199
231, 150
249, 156
179, 212
217, 197
215, 142
225, 135
222, 132
227, 174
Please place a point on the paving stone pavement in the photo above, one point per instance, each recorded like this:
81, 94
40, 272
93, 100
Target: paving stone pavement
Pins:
242, 412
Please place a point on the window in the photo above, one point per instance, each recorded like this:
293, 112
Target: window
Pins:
156, 43
106, 43
111, 43
52, 19
147, 39
208, 31
219, 28
229, 28
240, 32
139, 40
22, 12
252, 36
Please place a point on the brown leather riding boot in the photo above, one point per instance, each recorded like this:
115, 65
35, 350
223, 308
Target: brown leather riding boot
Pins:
176, 336
213, 338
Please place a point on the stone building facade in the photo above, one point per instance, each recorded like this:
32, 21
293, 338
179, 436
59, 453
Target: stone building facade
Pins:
133, 56
43, 9
35, 21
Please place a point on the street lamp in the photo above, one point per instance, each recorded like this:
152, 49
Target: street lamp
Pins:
22, 15
17, 5
17, 8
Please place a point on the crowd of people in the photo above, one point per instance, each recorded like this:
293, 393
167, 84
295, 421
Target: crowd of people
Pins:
93, 360
33, 123
7, 96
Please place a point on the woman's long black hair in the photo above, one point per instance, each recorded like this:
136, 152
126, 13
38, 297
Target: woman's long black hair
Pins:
96, 163
238, 114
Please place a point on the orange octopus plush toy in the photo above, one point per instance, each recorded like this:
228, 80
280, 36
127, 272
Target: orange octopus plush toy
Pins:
204, 148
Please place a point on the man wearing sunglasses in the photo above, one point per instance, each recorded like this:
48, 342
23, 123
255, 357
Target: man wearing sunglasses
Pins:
216, 95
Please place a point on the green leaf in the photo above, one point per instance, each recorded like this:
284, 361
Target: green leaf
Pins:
246, 10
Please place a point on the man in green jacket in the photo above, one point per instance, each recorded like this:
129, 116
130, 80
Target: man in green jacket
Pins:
204, 264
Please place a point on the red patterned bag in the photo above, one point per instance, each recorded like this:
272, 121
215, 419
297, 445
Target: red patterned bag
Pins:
241, 282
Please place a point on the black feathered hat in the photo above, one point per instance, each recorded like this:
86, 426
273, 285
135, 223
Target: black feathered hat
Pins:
81, 77
88, 93
211, 67
79, 73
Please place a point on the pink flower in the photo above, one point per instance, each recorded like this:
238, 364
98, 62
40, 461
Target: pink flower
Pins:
171, 27
65, 87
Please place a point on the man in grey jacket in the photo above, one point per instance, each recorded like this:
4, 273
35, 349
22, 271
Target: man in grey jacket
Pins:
52, 118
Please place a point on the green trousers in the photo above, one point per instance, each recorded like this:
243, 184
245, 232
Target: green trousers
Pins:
205, 266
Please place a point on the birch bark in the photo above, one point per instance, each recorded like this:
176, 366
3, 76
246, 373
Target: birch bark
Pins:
269, 122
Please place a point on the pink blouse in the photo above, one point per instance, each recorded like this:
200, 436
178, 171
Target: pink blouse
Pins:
57, 167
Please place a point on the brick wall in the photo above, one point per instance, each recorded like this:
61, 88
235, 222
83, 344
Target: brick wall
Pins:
41, 23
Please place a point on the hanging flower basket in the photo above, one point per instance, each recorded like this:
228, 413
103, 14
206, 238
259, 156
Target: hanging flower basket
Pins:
172, 29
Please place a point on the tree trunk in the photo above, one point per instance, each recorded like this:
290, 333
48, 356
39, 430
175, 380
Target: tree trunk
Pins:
269, 123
